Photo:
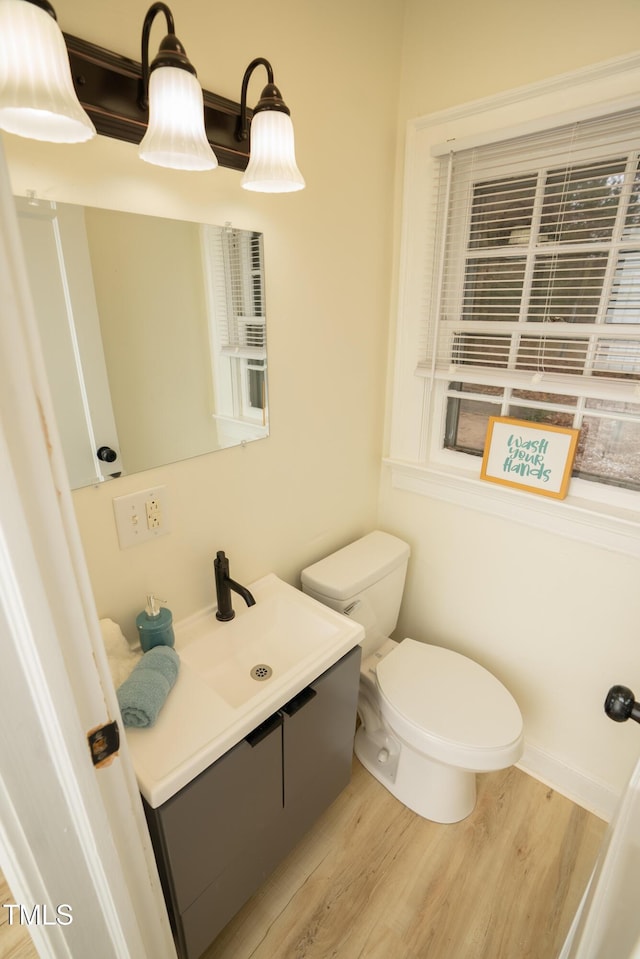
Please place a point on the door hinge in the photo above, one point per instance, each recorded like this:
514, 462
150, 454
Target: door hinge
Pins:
104, 743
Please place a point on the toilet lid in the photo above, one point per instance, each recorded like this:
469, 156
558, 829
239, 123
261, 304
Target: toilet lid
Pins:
450, 697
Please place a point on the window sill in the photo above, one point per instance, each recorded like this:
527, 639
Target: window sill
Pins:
607, 527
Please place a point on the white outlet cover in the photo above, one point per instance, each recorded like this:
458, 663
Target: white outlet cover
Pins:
131, 516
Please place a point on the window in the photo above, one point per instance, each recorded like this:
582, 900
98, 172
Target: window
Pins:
519, 295
537, 312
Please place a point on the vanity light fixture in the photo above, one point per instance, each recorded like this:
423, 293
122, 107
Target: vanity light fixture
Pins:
160, 106
175, 135
37, 97
272, 164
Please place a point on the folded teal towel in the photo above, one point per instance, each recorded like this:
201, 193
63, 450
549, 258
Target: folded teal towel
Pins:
143, 694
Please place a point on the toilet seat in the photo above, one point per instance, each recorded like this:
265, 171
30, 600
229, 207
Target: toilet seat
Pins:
449, 707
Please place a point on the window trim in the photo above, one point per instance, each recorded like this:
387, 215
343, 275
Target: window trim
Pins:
417, 463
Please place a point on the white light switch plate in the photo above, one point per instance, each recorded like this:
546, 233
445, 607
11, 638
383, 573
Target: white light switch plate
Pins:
141, 516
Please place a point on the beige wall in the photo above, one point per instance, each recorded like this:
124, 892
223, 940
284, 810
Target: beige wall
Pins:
283, 502
556, 620
461, 50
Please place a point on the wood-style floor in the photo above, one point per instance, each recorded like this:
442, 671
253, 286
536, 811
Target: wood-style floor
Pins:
374, 881
15, 941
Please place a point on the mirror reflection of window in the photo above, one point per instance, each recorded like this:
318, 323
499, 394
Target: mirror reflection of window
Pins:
233, 266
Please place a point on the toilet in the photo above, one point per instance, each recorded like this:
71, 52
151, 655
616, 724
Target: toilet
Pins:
430, 718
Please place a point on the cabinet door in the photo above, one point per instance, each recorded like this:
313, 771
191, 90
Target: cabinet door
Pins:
214, 820
225, 896
319, 727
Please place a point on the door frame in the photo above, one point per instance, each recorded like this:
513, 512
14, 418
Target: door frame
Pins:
607, 921
70, 834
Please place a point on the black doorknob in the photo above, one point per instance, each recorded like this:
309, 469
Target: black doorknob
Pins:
107, 455
621, 705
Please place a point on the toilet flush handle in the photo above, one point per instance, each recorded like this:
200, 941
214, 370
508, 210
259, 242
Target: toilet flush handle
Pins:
621, 705
351, 608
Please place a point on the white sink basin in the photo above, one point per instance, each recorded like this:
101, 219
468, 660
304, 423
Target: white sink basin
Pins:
263, 644
216, 701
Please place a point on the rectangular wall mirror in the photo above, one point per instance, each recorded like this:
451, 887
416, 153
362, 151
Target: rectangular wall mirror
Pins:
154, 335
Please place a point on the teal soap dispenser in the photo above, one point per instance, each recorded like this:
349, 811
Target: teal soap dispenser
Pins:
155, 625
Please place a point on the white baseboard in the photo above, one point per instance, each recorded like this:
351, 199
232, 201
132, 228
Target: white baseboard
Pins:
593, 795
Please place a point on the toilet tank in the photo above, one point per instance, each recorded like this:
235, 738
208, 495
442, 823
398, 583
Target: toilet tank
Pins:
365, 580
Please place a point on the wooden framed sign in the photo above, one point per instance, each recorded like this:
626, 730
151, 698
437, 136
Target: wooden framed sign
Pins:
529, 456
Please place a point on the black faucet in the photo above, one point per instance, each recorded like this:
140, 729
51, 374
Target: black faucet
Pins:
224, 585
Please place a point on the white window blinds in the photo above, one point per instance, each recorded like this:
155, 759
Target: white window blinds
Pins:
238, 292
537, 276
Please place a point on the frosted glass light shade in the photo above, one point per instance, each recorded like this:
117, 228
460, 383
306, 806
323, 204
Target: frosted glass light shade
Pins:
37, 98
272, 164
176, 136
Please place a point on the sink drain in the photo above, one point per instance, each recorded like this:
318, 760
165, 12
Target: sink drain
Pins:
261, 672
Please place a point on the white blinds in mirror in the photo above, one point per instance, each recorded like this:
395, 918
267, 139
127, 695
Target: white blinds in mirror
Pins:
238, 292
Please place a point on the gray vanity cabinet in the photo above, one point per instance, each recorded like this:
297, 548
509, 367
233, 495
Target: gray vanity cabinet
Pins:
219, 838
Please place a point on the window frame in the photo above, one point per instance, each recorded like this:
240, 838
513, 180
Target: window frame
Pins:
603, 515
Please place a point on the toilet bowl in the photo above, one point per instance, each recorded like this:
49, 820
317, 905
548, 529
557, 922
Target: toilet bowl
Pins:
443, 718
430, 718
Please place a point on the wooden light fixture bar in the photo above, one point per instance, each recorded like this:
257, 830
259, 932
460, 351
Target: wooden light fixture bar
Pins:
108, 86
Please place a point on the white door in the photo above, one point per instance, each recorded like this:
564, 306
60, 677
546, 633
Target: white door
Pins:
608, 924
61, 279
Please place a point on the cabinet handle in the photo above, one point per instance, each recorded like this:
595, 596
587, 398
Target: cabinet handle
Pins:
264, 729
304, 697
